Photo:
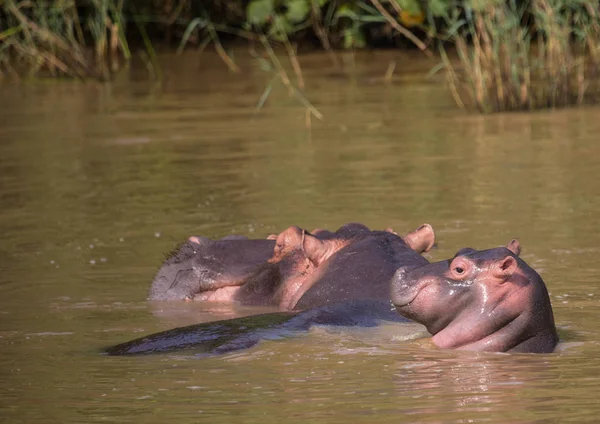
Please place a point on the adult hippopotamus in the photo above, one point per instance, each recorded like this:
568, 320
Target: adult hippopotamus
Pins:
479, 300
293, 270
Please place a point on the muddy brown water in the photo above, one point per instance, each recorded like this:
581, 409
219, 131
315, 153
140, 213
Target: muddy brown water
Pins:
97, 182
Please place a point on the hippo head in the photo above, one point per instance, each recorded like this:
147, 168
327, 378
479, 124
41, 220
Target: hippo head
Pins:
310, 269
295, 264
202, 265
488, 300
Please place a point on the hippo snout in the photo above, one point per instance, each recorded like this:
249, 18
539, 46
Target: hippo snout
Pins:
172, 284
403, 290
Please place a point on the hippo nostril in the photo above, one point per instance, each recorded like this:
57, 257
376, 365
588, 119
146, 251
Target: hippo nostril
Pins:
400, 274
401, 271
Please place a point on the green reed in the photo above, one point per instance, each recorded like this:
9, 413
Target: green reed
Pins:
506, 54
531, 55
54, 37
88, 37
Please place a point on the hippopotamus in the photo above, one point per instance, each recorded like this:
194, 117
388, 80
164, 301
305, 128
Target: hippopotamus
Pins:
485, 300
293, 270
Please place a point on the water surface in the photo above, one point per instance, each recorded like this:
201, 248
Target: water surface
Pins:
98, 182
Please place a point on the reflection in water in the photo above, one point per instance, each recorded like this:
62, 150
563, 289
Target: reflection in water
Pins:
179, 314
98, 182
462, 385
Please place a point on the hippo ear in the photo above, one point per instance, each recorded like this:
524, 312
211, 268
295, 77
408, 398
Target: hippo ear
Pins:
272, 237
286, 241
314, 249
202, 241
505, 268
391, 230
515, 247
294, 239
421, 239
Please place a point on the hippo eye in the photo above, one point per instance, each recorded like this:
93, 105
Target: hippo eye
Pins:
459, 270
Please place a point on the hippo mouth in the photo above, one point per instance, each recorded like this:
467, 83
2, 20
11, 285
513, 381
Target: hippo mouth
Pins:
405, 304
223, 294
405, 309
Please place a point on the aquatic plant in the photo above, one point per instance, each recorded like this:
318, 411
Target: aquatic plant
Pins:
90, 37
523, 56
497, 55
55, 36
342, 20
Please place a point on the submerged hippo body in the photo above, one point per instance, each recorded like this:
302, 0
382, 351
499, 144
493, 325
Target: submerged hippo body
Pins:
219, 337
479, 300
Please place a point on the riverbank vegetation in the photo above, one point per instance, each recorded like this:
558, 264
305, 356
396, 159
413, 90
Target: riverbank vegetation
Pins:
524, 56
496, 55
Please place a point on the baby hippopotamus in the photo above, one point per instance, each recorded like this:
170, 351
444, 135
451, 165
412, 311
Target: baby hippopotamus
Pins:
487, 300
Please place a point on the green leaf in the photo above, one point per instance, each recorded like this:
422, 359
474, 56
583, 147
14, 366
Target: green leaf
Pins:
411, 6
10, 31
196, 23
258, 12
436, 69
438, 8
481, 5
264, 97
372, 18
346, 11
280, 28
297, 10
369, 9
354, 37
453, 29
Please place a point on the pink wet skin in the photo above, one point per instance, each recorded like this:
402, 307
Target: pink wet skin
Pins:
291, 270
286, 242
225, 294
315, 252
487, 300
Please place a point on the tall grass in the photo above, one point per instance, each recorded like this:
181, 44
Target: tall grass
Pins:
524, 56
88, 37
498, 55
50, 36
